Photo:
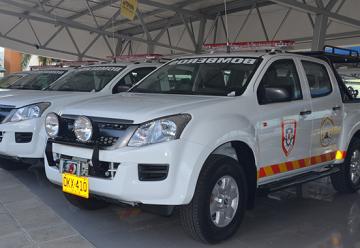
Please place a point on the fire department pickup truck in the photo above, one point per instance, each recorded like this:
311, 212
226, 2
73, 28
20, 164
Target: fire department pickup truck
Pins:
205, 133
22, 112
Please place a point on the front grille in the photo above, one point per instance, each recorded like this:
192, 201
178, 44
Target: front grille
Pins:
153, 172
1, 136
106, 170
23, 137
5, 110
107, 132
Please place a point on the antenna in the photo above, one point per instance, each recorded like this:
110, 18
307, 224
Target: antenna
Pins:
227, 28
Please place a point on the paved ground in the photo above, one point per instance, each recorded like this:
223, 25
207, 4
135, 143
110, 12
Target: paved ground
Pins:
25, 221
320, 218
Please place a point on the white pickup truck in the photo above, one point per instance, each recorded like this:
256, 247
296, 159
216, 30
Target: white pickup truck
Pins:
206, 133
22, 112
31, 80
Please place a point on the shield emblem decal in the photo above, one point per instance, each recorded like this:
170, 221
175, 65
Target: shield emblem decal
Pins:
288, 128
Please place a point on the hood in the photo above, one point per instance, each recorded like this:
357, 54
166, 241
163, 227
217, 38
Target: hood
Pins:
140, 107
20, 98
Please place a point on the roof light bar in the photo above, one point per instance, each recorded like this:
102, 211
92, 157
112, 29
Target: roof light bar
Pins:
251, 45
137, 57
62, 64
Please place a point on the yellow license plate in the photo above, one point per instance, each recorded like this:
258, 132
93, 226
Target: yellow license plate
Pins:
75, 185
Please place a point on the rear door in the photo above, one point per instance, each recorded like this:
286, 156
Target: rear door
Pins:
326, 109
284, 131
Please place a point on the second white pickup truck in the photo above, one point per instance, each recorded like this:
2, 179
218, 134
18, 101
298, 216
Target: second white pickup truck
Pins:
22, 112
206, 133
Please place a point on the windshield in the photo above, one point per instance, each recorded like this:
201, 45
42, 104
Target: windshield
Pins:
5, 82
201, 76
87, 79
37, 80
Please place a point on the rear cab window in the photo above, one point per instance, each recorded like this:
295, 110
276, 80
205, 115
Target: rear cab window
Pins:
318, 79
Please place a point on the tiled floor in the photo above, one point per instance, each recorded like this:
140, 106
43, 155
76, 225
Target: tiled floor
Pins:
319, 218
25, 221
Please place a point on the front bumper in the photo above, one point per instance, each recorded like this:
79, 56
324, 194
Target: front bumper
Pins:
177, 189
12, 146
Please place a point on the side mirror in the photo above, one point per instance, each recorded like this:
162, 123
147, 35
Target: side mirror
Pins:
272, 95
121, 88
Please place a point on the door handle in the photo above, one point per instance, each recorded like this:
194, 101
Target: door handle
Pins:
336, 108
305, 112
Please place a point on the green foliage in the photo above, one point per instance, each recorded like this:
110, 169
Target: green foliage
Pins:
45, 60
25, 60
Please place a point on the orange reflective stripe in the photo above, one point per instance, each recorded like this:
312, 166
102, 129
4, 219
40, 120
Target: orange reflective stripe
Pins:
298, 164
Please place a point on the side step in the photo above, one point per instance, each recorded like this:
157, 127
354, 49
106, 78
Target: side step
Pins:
296, 180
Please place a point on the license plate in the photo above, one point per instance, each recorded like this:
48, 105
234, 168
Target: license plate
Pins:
75, 185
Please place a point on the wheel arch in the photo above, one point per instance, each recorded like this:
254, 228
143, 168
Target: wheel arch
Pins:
242, 152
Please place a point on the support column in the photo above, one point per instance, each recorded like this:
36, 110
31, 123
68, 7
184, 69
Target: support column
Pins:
201, 34
319, 33
320, 26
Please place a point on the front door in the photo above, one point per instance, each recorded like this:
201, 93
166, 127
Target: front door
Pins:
284, 131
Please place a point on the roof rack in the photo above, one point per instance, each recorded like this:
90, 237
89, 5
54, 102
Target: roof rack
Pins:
336, 55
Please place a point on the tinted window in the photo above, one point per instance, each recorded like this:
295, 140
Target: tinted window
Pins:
37, 80
203, 76
281, 74
318, 79
87, 79
9, 80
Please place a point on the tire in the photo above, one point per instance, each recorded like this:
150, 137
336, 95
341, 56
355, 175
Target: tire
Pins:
86, 204
12, 165
342, 181
196, 217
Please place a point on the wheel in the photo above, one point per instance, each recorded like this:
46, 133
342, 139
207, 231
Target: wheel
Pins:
11, 165
86, 204
219, 201
348, 179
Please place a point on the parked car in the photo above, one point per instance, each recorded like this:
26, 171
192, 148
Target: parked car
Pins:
349, 71
32, 80
206, 133
10, 79
353, 83
22, 114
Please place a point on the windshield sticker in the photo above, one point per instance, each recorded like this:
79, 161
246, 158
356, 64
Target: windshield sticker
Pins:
222, 60
102, 68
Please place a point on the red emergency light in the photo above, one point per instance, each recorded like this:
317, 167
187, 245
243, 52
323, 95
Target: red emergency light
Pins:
252, 45
136, 57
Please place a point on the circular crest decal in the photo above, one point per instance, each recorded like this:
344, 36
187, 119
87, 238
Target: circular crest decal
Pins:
327, 132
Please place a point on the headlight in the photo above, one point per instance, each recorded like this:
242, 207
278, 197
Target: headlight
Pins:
28, 112
83, 129
52, 125
160, 130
